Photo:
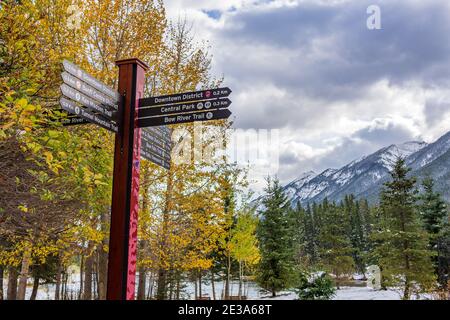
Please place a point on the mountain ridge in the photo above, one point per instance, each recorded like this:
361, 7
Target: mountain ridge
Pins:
365, 176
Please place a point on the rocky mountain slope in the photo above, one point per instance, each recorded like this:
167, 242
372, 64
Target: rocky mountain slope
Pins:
364, 177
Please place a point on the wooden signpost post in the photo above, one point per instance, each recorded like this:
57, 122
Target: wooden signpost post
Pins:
127, 114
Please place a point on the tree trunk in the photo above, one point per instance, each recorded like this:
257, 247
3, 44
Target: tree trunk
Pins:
240, 280
2, 274
406, 293
58, 281
80, 293
12, 283
150, 287
65, 278
213, 285
88, 266
162, 273
171, 285
195, 290
227, 283
95, 277
200, 294
22, 289
35, 288
142, 274
178, 287
103, 259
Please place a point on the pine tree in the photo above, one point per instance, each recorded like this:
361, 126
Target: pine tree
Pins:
433, 212
355, 232
276, 269
311, 231
403, 244
335, 247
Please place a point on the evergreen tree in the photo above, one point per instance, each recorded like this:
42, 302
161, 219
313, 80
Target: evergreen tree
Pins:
311, 241
403, 248
433, 212
276, 269
443, 247
335, 247
299, 235
355, 232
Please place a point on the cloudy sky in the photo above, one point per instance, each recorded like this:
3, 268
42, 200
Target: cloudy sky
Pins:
335, 89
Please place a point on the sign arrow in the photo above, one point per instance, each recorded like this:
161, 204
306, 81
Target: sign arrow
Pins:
160, 152
71, 107
156, 160
86, 77
90, 92
191, 117
72, 121
185, 107
185, 97
164, 143
74, 95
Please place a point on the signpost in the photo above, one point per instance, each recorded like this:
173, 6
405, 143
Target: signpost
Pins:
126, 113
184, 118
71, 107
185, 97
184, 108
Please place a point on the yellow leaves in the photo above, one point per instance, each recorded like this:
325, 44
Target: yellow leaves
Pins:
48, 157
23, 208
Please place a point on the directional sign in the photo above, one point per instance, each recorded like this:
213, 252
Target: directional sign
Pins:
74, 95
72, 121
185, 108
156, 160
89, 92
150, 137
185, 97
191, 117
86, 77
71, 107
161, 152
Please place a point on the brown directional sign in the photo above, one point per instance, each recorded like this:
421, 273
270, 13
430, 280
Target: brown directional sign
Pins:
89, 92
185, 118
74, 95
185, 97
73, 108
156, 150
87, 78
155, 159
72, 121
185, 107
152, 138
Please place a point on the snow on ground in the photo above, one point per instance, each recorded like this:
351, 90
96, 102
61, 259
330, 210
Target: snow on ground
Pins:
251, 290
350, 293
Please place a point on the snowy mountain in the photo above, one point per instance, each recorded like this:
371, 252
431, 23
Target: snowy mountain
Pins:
364, 177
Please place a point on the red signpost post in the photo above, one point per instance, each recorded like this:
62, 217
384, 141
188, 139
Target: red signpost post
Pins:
92, 100
125, 199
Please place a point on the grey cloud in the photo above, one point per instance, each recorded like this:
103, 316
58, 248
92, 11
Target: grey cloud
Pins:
435, 110
412, 44
365, 142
